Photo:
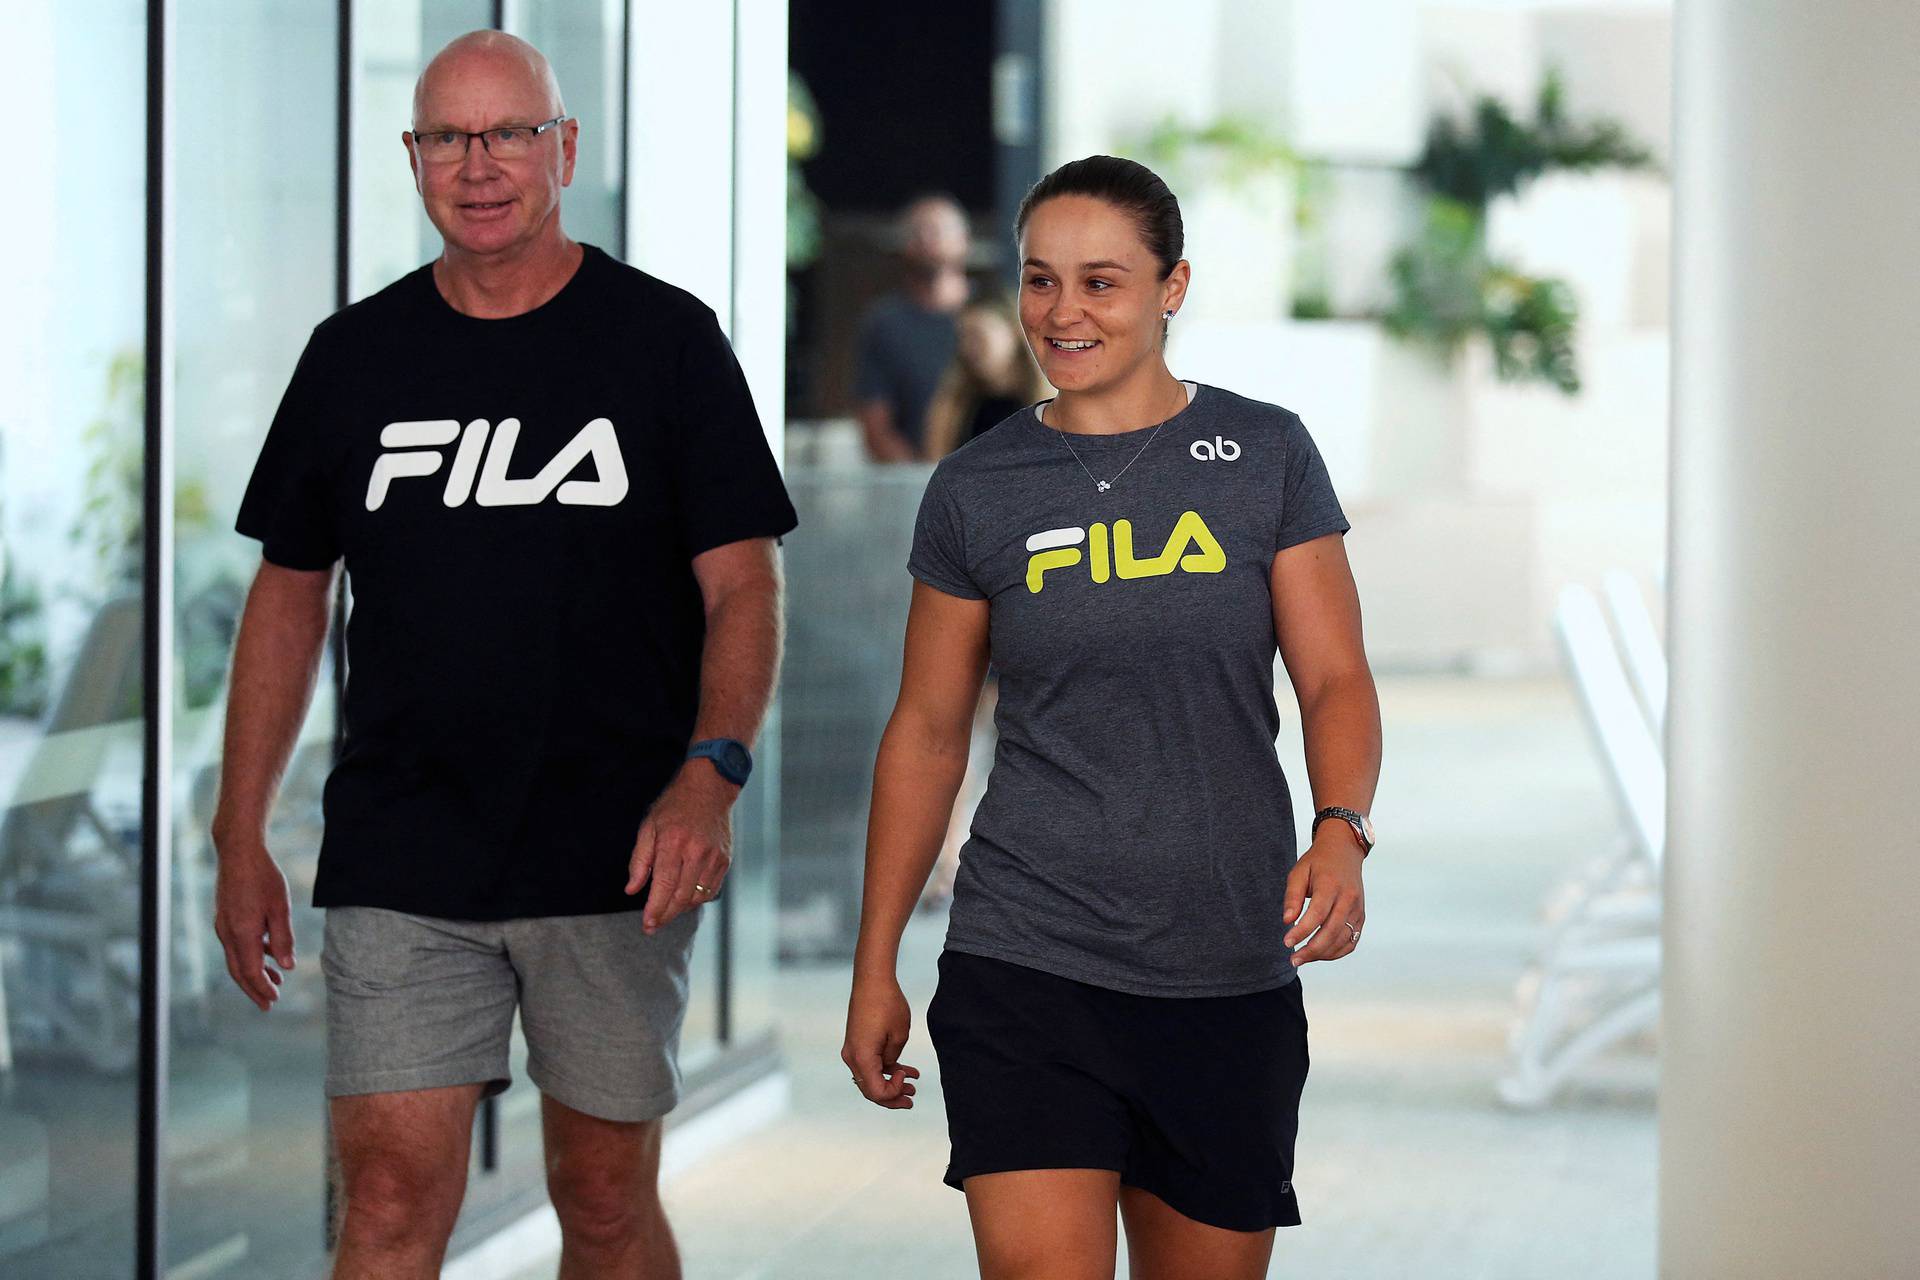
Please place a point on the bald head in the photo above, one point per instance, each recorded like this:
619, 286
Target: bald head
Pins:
933, 231
492, 199
486, 58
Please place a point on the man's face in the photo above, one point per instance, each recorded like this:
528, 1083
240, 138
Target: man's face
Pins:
936, 237
480, 203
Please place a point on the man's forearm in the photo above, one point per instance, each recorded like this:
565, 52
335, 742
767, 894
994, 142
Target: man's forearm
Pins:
885, 442
739, 663
276, 661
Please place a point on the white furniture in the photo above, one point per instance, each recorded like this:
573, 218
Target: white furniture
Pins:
1596, 980
1640, 644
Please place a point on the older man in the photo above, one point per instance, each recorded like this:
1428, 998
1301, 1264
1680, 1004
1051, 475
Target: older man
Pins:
558, 514
907, 338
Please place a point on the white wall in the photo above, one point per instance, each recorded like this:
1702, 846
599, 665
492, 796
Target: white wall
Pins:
706, 196
760, 211
680, 196
1789, 1116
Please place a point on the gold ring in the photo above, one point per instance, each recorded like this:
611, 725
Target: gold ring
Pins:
699, 888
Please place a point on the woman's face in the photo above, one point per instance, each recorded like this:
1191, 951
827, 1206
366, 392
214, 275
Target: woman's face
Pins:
1091, 296
986, 343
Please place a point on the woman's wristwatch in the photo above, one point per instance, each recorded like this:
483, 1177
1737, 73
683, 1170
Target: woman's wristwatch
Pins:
1361, 824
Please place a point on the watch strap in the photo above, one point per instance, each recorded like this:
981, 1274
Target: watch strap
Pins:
722, 751
1353, 818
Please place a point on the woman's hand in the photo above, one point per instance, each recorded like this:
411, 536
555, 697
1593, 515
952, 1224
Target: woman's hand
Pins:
878, 1020
1329, 875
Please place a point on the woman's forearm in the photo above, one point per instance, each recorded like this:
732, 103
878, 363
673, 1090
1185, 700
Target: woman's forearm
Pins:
1340, 726
916, 777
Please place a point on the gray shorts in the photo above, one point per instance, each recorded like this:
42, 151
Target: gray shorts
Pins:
417, 1002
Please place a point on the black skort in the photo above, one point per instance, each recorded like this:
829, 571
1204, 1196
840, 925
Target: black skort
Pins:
1196, 1100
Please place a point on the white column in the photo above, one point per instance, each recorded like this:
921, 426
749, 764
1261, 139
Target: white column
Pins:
760, 209
680, 189
1790, 1109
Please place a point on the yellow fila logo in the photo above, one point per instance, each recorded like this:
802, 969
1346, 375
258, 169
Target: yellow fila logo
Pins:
1060, 548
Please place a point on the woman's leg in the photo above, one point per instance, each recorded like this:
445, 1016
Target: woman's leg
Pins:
1044, 1224
1165, 1244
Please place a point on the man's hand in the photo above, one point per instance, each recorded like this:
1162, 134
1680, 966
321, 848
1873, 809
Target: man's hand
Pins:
1329, 874
250, 917
685, 845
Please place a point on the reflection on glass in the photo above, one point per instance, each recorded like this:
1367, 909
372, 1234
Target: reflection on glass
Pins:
585, 42
700, 1034
753, 886
392, 43
71, 360
253, 273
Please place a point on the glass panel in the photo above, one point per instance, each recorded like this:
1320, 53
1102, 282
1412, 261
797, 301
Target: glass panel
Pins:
753, 887
253, 273
700, 1036
585, 42
71, 471
392, 43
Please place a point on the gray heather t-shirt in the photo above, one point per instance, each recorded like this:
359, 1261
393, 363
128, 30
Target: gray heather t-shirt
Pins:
1136, 831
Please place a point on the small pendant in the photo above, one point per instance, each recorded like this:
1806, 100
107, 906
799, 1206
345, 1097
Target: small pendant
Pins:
1104, 485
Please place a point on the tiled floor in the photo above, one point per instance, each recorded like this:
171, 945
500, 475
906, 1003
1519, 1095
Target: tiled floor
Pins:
1408, 1166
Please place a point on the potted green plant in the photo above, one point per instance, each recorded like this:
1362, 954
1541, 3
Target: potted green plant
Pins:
1446, 286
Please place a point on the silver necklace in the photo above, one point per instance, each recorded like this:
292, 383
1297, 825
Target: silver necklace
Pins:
1098, 483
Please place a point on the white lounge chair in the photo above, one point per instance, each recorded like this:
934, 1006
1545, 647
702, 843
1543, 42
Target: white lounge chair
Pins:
1640, 643
1596, 980
1621, 884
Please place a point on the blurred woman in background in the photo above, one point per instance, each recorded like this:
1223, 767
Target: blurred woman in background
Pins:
992, 377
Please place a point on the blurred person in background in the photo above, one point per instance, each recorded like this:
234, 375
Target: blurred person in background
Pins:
992, 377
907, 337
1119, 1016
555, 678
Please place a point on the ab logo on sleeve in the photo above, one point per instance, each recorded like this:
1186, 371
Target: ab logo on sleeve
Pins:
1060, 549
411, 449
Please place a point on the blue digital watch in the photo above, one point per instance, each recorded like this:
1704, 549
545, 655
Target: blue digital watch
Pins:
729, 756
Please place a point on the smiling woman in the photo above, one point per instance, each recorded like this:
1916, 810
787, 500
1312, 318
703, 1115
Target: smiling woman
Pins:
1119, 1017
1102, 277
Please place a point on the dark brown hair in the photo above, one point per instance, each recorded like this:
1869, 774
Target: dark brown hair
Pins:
1130, 187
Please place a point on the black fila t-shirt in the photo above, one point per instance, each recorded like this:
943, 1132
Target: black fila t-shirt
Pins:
518, 502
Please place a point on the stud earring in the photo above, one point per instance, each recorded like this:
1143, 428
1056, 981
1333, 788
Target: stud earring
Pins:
1166, 315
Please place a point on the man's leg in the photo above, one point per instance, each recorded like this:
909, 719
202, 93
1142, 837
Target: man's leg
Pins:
604, 1178
602, 1004
403, 1164
419, 1014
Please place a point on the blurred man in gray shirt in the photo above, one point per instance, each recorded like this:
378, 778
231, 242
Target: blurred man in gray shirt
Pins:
907, 337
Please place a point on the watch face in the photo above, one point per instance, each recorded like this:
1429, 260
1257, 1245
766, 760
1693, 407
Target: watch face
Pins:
1366, 825
738, 761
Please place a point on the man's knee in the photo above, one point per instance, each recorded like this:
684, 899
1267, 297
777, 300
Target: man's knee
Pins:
604, 1181
394, 1200
403, 1167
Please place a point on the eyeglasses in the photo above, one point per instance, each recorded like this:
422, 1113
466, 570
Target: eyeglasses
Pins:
502, 142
